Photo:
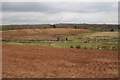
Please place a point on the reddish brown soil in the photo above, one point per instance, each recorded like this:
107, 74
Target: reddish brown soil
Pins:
21, 61
40, 34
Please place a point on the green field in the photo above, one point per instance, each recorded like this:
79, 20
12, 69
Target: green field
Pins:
96, 40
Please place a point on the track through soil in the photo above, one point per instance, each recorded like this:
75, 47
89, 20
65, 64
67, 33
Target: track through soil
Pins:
21, 61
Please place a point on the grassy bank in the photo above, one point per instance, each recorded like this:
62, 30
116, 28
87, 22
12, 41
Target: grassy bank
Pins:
81, 41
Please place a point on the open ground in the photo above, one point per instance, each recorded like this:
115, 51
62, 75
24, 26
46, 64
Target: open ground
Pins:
81, 38
40, 34
37, 53
21, 61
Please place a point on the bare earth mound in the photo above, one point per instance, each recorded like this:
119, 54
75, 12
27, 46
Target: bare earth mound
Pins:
40, 34
21, 61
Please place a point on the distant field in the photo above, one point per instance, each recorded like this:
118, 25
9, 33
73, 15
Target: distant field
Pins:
105, 34
40, 34
93, 27
81, 39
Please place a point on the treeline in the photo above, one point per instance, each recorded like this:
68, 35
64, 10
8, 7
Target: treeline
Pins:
14, 27
94, 27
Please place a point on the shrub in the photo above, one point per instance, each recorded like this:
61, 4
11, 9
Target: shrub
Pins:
71, 46
114, 48
75, 27
103, 47
98, 46
78, 47
85, 47
112, 30
91, 48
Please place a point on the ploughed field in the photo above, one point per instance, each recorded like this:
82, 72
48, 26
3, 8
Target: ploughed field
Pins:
86, 54
20, 61
40, 34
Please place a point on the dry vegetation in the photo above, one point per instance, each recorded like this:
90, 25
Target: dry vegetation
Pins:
105, 34
40, 34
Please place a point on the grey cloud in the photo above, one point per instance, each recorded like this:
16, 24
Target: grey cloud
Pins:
57, 12
23, 7
33, 18
54, 7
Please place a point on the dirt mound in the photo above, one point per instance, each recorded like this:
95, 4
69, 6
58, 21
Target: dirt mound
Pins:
47, 62
39, 34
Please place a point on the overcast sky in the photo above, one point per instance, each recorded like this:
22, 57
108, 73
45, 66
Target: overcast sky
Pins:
59, 12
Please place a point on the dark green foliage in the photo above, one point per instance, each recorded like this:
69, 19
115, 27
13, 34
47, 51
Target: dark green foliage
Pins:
78, 47
53, 26
75, 27
85, 47
94, 27
98, 46
66, 39
112, 30
71, 46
